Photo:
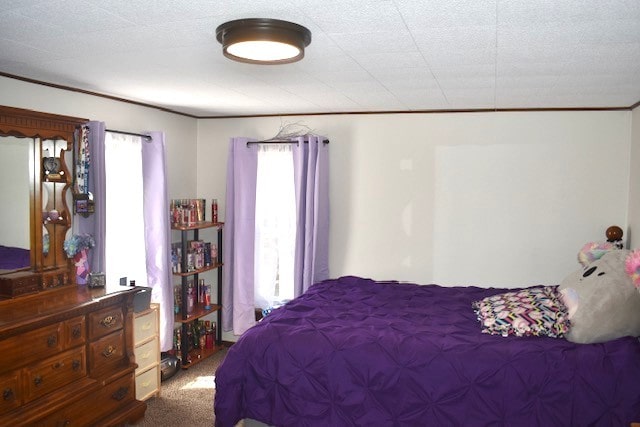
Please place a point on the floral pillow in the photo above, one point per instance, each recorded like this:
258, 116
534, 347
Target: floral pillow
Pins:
537, 311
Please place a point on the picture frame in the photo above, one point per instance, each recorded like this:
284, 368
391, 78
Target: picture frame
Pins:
97, 280
84, 204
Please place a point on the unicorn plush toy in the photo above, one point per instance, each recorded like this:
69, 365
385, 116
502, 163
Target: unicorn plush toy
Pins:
603, 298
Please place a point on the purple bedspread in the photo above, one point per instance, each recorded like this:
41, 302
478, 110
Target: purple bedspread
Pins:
354, 352
13, 258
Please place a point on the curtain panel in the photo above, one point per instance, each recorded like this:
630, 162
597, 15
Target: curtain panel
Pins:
157, 233
238, 237
311, 174
311, 258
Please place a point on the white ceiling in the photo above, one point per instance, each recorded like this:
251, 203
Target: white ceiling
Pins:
365, 56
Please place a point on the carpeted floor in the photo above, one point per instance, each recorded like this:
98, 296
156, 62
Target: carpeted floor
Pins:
186, 399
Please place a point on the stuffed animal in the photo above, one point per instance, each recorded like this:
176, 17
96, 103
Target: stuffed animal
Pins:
603, 299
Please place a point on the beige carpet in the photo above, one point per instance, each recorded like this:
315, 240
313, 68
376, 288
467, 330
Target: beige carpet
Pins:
186, 399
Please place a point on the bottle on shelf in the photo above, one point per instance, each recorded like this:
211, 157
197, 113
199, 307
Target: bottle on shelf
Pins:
191, 298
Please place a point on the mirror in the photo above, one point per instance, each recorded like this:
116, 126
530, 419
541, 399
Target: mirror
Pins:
37, 149
15, 240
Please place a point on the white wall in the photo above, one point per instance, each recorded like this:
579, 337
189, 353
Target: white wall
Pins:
634, 183
492, 199
489, 199
180, 131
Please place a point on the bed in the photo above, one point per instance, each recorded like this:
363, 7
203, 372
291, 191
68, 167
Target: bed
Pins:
353, 351
12, 258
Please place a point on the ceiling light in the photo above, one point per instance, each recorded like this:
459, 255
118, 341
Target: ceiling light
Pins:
263, 40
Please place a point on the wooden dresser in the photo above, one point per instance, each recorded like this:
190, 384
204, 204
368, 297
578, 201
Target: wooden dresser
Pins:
66, 359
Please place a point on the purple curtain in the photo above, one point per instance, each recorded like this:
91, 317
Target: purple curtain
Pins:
157, 233
95, 224
155, 218
311, 174
238, 312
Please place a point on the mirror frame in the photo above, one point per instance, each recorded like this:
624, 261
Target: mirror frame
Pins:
40, 126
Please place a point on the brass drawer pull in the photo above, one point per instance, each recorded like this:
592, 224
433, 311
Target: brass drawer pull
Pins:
76, 364
77, 332
121, 393
8, 394
58, 365
37, 380
109, 351
109, 321
52, 341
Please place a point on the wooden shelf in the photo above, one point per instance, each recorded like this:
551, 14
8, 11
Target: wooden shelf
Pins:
55, 178
200, 270
59, 221
198, 312
186, 321
200, 354
197, 226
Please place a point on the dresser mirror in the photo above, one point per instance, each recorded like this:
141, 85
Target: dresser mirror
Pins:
37, 153
17, 184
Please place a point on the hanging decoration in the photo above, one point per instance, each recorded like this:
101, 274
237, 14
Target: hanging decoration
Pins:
82, 197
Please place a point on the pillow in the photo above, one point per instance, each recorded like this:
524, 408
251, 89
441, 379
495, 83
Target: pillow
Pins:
536, 311
602, 301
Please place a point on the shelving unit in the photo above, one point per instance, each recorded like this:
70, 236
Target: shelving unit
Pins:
195, 355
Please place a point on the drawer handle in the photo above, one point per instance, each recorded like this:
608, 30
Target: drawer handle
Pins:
76, 365
121, 393
8, 394
52, 340
146, 326
58, 365
146, 384
37, 380
109, 351
76, 333
109, 321
146, 355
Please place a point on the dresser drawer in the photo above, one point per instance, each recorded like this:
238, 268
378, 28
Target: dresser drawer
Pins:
147, 355
147, 383
53, 373
75, 332
105, 321
11, 392
19, 283
106, 351
31, 346
145, 326
90, 409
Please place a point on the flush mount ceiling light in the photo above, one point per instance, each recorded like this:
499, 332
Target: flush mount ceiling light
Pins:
263, 40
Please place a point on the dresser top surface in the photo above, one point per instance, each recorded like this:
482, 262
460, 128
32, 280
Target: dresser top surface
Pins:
28, 308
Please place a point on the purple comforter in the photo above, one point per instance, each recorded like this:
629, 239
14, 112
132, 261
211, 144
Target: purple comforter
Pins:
13, 258
354, 352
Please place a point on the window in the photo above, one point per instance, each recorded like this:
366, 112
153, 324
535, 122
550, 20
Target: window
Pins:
275, 225
124, 242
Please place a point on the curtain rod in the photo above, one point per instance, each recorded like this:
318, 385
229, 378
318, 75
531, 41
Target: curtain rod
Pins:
129, 133
282, 141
